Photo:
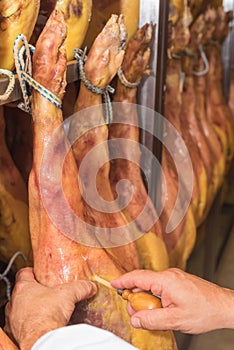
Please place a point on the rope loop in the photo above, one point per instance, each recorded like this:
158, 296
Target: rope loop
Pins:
124, 80
81, 59
10, 86
213, 42
24, 72
189, 53
206, 63
3, 276
176, 56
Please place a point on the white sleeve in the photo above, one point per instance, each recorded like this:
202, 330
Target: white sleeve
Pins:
81, 336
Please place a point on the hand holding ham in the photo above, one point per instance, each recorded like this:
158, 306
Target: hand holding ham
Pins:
35, 309
190, 304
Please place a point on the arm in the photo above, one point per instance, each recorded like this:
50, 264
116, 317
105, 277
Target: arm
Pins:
35, 309
190, 304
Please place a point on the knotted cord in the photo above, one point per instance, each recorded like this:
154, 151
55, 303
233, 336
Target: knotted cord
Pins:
206, 63
81, 58
10, 86
24, 72
124, 80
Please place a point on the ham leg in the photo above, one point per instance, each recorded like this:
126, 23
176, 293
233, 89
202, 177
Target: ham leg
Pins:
150, 245
14, 225
100, 67
192, 131
199, 150
217, 164
181, 240
218, 112
102, 64
57, 258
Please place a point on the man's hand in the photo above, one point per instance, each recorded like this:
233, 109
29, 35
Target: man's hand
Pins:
190, 304
35, 309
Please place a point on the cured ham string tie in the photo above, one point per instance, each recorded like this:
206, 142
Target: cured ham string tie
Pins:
206, 63
3, 276
124, 80
182, 74
176, 56
81, 58
24, 72
10, 86
204, 58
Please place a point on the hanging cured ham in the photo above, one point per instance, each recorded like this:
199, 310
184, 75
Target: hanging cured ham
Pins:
217, 158
100, 78
57, 258
19, 139
181, 240
192, 132
150, 246
14, 225
110, 58
77, 15
102, 10
231, 96
218, 111
193, 106
15, 17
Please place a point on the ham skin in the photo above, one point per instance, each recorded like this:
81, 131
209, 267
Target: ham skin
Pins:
58, 259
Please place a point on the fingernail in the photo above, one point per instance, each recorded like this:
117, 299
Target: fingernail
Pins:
114, 279
136, 322
94, 286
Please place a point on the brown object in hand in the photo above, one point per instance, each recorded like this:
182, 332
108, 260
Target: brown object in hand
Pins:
140, 300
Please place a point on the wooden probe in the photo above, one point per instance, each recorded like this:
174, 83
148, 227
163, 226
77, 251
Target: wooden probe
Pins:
138, 300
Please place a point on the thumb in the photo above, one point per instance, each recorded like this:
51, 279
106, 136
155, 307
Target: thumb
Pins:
157, 319
79, 290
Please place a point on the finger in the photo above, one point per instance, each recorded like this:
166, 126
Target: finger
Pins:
144, 279
80, 290
25, 274
7, 309
130, 310
159, 319
7, 327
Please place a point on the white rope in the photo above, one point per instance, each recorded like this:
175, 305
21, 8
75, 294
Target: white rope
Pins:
81, 58
24, 72
10, 86
206, 63
3, 276
125, 82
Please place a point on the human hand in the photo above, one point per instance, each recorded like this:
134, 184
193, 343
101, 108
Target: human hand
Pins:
35, 309
190, 304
